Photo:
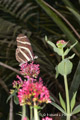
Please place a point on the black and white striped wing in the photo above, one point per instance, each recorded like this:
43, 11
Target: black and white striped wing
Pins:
24, 51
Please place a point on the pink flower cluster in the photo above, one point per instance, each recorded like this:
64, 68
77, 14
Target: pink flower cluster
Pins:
47, 118
32, 70
33, 92
30, 91
25, 118
60, 43
19, 83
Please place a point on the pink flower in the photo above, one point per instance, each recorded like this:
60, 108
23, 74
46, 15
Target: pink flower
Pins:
32, 70
47, 118
25, 118
60, 43
19, 83
33, 92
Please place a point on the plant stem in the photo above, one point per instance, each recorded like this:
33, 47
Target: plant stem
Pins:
68, 117
31, 114
67, 97
36, 116
67, 93
23, 112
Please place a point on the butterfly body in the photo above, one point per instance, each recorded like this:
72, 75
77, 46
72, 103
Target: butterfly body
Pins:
24, 52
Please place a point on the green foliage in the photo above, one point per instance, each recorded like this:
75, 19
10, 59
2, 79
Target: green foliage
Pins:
76, 81
64, 67
68, 49
58, 51
58, 107
52, 98
16, 100
75, 13
76, 110
12, 95
73, 101
62, 102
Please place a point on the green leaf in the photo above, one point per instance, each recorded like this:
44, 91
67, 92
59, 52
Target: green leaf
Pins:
19, 113
58, 107
57, 73
37, 107
57, 50
53, 46
70, 57
16, 100
73, 45
66, 52
10, 96
76, 110
76, 81
68, 49
75, 13
52, 98
65, 45
62, 102
65, 67
68, 3
73, 101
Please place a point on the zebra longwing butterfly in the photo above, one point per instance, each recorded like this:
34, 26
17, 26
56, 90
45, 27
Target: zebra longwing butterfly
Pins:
24, 52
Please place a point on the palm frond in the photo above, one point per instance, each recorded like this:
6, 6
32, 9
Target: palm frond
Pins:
17, 9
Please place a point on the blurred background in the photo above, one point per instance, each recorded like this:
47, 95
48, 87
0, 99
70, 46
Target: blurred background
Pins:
58, 19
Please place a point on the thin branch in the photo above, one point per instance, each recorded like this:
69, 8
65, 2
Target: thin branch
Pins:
2, 83
9, 67
59, 14
11, 109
